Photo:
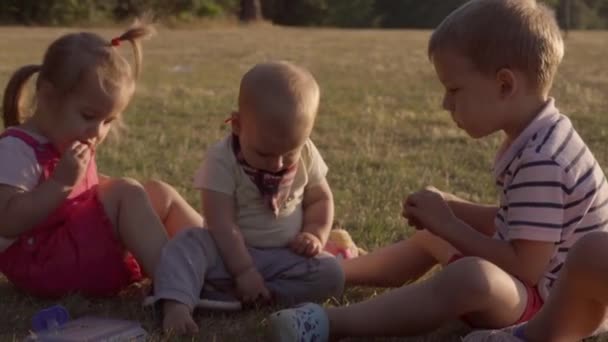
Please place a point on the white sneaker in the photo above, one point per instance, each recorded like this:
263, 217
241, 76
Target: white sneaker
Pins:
304, 323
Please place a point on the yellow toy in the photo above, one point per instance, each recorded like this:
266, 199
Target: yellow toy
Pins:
341, 244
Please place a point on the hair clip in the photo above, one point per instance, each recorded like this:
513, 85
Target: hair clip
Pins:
115, 41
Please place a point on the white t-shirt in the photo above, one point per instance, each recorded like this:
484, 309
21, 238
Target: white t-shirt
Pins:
221, 172
19, 167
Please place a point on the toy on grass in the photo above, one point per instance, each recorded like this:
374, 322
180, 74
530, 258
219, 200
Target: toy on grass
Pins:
341, 245
53, 324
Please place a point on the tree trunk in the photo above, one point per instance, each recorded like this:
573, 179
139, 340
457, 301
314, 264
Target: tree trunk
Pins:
251, 10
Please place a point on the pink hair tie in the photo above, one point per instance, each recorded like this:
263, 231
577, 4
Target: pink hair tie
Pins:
115, 41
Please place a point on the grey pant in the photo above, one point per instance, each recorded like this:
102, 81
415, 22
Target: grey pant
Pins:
191, 259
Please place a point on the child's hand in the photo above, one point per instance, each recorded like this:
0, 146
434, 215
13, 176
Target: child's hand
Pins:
251, 288
306, 244
72, 166
427, 209
411, 221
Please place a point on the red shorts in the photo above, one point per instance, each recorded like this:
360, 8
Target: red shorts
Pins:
77, 252
533, 305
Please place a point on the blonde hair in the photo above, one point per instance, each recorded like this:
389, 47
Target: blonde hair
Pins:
278, 88
68, 58
494, 34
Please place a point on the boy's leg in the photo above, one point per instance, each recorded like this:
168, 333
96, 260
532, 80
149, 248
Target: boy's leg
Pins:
134, 219
469, 287
399, 263
171, 207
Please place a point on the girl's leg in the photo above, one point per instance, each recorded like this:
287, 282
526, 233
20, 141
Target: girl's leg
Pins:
399, 263
471, 286
173, 210
136, 223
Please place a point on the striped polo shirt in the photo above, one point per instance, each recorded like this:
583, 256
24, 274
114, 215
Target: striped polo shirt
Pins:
551, 189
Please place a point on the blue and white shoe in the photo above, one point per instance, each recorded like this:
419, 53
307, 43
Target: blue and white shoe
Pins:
304, 323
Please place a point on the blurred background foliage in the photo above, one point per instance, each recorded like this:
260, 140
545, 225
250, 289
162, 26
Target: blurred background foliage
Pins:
575, 14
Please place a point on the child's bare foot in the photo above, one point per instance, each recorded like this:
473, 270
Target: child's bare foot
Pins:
178, 318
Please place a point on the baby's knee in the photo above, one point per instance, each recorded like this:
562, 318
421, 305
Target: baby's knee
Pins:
193, 239
199, 236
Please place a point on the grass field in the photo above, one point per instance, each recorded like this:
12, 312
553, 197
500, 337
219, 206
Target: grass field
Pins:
380, 129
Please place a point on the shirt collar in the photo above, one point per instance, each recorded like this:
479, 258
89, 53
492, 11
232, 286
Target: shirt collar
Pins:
508, 151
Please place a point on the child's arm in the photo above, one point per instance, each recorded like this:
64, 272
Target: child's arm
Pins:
21, 211
219, 214
479, 216
522, 258
318, 206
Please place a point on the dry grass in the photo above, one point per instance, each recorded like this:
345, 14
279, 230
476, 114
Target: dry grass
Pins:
380, 129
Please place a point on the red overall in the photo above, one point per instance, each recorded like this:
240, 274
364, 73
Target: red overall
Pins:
75, 248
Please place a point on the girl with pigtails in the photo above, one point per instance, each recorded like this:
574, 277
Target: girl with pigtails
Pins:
65, 228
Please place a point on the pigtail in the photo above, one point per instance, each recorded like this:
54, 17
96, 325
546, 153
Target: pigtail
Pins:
141, 29
13, 94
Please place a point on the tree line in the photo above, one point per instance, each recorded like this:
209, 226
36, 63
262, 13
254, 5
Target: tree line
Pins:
575, 14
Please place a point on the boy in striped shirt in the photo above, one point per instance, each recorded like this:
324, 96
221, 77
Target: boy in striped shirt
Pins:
497, 60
